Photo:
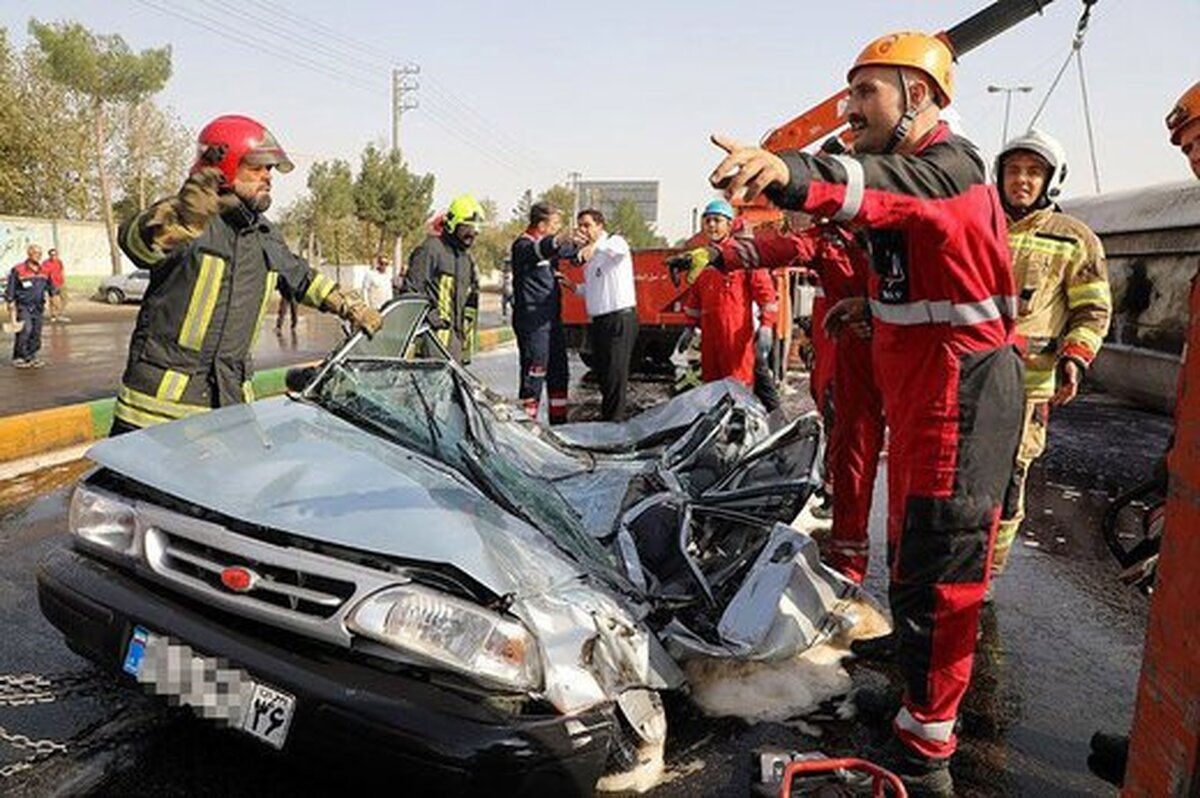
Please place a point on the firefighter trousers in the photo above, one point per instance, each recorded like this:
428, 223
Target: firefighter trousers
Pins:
1033, 443
954, 422
855, 442
542, 352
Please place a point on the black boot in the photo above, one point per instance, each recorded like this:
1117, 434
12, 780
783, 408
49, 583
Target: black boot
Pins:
876, 649
1110, 753
923, 777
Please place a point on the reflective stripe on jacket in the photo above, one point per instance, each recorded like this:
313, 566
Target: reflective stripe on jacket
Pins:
1064, 301
192, 347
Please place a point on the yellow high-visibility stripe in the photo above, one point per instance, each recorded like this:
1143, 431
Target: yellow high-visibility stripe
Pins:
203, 302
272, 279
136, 417
1085, 336
445, 307
1096, 293
1028, 242
318, 288
137, 245
1038, 381
248, 391
172, 385
161, 407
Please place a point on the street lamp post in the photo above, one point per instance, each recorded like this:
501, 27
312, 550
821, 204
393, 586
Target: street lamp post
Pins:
1008, 93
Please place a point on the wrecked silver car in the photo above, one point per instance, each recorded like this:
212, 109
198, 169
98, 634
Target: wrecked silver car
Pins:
391, 560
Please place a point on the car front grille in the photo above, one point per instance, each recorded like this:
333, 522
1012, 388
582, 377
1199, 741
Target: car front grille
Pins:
280, 586
289, 587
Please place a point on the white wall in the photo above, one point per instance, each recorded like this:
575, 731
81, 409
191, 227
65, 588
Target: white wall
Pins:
82, 246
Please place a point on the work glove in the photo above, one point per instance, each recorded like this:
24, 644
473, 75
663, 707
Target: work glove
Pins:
692, 263
354, 309
764, 340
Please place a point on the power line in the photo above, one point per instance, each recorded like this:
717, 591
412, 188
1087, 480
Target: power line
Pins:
444, 119
353, 49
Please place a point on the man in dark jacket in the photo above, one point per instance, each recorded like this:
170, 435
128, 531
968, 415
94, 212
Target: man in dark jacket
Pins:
442, 270
25, 293
537, 312
214, 263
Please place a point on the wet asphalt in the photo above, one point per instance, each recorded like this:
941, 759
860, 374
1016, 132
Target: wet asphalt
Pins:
1058, 658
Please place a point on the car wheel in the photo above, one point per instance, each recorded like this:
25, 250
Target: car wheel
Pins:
113, 296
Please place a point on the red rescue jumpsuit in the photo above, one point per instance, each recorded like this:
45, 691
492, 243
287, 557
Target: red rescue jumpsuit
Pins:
943, 303
720, 302
856, 435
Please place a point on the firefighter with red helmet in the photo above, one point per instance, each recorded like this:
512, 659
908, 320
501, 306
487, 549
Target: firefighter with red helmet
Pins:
214, 262
941, 310
720, 304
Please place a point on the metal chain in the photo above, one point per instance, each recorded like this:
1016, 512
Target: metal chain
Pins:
28, 689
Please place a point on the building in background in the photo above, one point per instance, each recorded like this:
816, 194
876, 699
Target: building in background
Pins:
606, 195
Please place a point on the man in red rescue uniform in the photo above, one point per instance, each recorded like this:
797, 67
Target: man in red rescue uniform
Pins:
720, 304
941, 310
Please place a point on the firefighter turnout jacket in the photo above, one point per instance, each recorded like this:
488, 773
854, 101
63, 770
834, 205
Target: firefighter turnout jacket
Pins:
1063, 300
192, 347
442, 270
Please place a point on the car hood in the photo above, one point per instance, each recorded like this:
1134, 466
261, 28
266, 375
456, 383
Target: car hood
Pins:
295, 467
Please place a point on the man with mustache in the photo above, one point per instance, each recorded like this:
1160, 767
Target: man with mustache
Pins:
214, 263
941, 312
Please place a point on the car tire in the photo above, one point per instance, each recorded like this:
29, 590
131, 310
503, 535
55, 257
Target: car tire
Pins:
113, 296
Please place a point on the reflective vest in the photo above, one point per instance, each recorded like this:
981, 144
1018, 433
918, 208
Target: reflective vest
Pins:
1064, 304
191, 349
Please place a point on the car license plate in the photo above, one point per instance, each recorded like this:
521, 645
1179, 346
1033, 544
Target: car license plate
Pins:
210, 686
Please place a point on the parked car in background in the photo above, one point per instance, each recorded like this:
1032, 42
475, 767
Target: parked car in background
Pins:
128, 287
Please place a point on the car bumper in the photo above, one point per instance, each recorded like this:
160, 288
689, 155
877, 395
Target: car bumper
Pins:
344, 709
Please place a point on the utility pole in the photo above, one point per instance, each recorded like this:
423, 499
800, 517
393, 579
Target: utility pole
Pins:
1007, 91
573, 177
403, 84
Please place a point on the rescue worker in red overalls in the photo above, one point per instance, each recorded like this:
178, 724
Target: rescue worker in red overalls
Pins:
719, 303
941, 310
1184, 124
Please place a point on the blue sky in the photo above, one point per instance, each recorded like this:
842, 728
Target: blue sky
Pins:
513, 96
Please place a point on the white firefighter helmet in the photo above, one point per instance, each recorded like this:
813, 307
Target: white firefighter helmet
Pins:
1048, 149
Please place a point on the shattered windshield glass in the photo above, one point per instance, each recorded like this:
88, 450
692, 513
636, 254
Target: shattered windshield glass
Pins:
425, 406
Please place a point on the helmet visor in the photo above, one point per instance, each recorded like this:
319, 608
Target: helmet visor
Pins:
268, 153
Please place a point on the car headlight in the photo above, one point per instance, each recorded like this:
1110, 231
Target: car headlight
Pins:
455, 633
103, 520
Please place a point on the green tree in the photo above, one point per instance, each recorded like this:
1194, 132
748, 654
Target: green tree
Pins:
561, 197
389, 198
151, 152
331, 187
103, 72
629, 222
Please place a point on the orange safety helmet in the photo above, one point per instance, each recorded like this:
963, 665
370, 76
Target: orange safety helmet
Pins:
1185, 112
916, 50
229, 140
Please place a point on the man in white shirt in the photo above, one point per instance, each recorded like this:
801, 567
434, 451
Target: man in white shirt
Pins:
376, 286
608, 292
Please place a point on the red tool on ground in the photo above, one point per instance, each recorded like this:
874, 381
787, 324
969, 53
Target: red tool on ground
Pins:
880, 778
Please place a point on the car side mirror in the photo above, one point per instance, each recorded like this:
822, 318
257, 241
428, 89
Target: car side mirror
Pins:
298, 378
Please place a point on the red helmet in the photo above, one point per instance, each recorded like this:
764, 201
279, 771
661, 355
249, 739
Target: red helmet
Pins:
229, 140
